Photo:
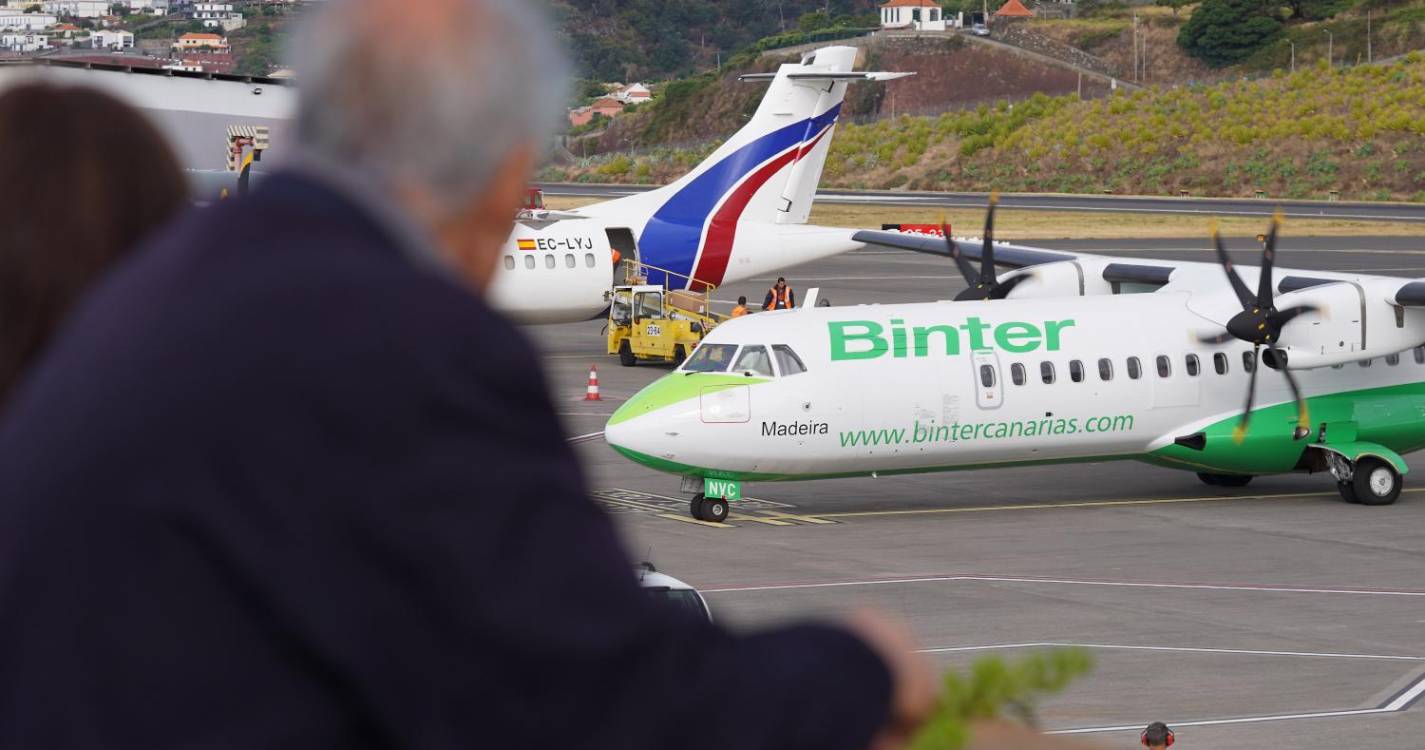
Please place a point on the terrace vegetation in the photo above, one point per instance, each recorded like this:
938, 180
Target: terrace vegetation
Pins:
1359, 131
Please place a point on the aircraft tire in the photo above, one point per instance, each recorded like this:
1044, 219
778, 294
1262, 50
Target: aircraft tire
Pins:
625, 355
1348, 492
714, 509
1225, 480
695, 508
1376, 482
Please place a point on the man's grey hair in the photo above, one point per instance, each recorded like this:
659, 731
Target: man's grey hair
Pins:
427, 93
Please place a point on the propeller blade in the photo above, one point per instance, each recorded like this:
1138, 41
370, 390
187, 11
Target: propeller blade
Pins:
1303, 417
1286, 316
1002, 289
987, 254
1240, 433
972, 277
1244, 295
1269, 256
1220, 338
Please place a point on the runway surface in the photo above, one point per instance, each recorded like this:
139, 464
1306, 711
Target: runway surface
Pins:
1362, 211
1273, 615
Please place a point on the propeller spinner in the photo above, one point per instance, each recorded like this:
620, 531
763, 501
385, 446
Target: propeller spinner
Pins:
1260, 324
982, 284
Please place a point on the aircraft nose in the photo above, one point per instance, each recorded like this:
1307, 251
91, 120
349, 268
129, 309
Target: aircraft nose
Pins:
645, 428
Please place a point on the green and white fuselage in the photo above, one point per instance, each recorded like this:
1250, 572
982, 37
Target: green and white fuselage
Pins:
899, 388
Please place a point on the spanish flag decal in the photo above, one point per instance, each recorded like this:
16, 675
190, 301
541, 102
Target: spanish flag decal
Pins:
526, 244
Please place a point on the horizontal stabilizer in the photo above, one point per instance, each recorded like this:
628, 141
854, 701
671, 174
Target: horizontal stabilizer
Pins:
1009, 256
540, 214
832, 77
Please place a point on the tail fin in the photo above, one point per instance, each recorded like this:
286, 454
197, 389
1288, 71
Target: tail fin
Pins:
767, 172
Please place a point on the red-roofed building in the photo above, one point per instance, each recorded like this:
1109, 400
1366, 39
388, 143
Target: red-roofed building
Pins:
1014, 9
606, 106
192, 42
920, 15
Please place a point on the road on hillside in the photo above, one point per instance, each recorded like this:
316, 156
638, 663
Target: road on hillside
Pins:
1360, 211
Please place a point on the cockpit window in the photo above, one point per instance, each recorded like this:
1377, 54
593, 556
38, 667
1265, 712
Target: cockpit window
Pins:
710, 358
787, 360
754, 359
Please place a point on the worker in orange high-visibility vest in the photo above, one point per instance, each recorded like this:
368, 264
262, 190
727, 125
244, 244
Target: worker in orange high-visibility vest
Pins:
741, 308
780, 296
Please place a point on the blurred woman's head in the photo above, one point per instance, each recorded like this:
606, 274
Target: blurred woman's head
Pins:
83, 179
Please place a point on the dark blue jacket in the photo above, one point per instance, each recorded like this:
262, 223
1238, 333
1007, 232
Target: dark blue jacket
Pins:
278, 486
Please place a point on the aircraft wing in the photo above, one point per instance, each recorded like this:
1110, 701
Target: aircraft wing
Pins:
1012, 256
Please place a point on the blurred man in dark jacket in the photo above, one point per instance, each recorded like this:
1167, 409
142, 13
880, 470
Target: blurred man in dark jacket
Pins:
285, 480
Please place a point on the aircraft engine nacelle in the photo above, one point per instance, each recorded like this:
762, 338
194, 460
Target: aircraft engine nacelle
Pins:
1354, 321
1061, 279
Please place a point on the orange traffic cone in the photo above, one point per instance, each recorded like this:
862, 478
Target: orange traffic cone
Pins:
593, 392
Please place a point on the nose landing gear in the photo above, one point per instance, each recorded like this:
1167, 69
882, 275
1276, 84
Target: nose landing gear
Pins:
711, 509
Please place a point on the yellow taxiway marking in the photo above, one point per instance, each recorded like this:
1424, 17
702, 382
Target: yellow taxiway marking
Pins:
687, 519
1080, 504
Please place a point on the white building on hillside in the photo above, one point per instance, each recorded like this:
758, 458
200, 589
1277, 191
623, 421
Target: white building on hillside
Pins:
217, 16
27, 42
112, 39
919, 15
77, 8
634, 93
156, 7
26, 21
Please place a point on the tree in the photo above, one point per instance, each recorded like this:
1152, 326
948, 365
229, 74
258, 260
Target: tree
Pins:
1222, 32
1174, 4
1314, 10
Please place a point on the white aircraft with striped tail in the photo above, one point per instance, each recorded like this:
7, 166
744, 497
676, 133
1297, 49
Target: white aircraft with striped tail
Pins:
1068, 357
739, 214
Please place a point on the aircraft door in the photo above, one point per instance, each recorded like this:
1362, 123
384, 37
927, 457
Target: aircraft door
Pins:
989, 383
622, 242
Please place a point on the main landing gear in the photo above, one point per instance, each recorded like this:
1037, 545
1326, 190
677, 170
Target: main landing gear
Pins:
711, 509
1371, 481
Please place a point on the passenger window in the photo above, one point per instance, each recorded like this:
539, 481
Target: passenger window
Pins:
1046, 372
710, 358
754, 359
509, 262
1076, 371
1016, 374
569, 261
1135, 368
1366, 363
1249, 363
1219, 363
1392, 359
1420, 355
589, 260
1165, 366
549, 261
1193, 366
987, 376
788, 361
529, 262
1105, 369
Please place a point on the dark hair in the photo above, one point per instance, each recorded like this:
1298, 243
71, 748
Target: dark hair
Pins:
1156, 735
781, 279
742, 300
83, 178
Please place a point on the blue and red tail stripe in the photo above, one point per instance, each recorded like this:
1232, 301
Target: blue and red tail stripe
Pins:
673, 237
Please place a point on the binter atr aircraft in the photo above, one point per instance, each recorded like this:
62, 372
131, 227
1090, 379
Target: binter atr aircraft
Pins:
739, 214
1068, 357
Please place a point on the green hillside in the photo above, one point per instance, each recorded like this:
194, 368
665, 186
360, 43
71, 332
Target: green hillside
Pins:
1359, 131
